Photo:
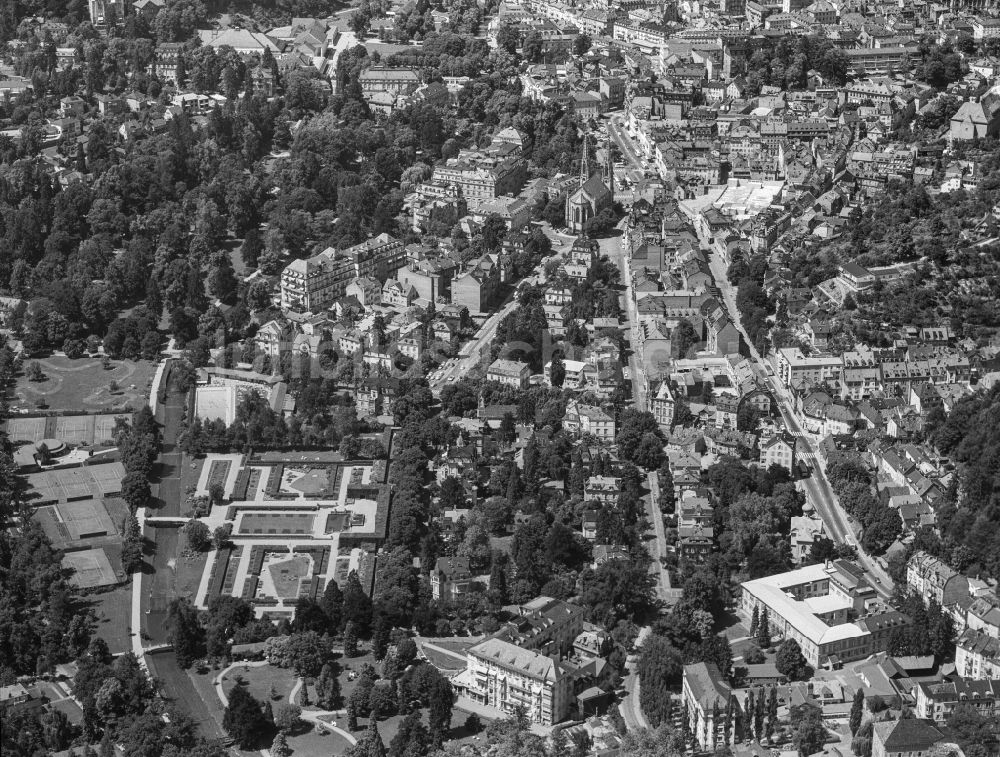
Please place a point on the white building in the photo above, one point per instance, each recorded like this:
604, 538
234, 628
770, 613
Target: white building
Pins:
817, 606
663, 405
794, 367
705, 691
502, 675
588, 419
511, 372
977, 656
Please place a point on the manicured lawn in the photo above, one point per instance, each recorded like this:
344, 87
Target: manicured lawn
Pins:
260, 680
84, 384
113, 611
319, 742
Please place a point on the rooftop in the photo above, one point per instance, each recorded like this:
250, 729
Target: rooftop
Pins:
774, 591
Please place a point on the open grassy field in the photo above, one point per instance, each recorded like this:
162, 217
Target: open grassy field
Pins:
260, 680
84, 384
318, 742
113, 609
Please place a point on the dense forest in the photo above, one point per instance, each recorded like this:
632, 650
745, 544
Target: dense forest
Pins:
156, 227
970, 522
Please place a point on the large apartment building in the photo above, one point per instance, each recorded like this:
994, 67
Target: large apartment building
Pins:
528, 663
315, 283
795, 368
932, 579
977, 655
502, 675
483, 177
706, 693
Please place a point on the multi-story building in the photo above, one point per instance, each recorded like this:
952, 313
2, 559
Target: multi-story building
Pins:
511, 372
825, 609
910, 737
483, 174
392, 80
451, 578
937, 699
588, 419
778, 450
705, 693
932, 579
794, 368
977, 655
436, 203
431, 278
476, 288
313, 284
603, 489
695, 544
544, 624
663, 405
502, 675
165, 61
983, 615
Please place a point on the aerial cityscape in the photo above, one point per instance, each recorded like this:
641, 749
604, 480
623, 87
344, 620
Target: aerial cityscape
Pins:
499, 378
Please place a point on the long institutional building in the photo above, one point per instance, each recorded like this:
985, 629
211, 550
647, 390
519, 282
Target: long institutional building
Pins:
830, 610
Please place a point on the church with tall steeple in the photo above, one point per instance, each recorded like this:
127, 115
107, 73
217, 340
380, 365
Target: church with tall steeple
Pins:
594, 194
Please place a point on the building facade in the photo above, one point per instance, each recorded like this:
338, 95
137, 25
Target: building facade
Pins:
502, 675
706, 692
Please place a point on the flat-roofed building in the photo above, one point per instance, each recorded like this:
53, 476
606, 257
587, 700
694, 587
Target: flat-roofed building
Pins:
794, 367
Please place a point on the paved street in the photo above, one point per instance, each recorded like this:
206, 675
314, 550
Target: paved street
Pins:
471, 354
817, 486
629, 706
663, 586
623, 141
612, 247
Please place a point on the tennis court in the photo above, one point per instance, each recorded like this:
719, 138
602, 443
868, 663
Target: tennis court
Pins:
54, 528
86, 519
104, 427
277, 523
88, 482
26, 429
75, 429
90, 568
71, 429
